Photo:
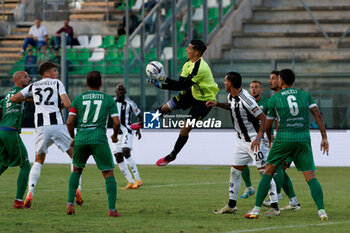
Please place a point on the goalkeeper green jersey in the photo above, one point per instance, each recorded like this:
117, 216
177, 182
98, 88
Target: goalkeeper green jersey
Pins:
205, 88
262, 103
11, 112
291, 108
92, 109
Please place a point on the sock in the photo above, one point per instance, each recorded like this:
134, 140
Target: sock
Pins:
288, 186
263, 188
181, 141
2, 169
71, 169
316, 192
279, 178
273, 192
72, 186
133, 168
293, 201
22, 180
34, 176
246, 177
235, 183
232, 203
124, 169
111, 188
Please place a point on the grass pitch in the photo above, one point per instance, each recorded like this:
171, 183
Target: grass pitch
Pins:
173, 199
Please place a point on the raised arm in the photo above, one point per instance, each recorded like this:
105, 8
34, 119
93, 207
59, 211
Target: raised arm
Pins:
65, 100
319, 121
212, 103
16, 98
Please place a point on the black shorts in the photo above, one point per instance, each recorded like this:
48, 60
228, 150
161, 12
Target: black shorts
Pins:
184, 100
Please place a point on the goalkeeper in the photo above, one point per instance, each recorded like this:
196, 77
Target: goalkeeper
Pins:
197, 85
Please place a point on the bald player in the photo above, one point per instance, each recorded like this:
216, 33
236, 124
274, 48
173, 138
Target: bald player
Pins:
12, 150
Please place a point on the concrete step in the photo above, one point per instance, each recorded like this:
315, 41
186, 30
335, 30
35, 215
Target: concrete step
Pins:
11, 43
282, 42
20, 30
15, 37
10, 5
285, 34
309, 3
91, 17
11, 1
10, 56
254, 27
97, 4
10, 49
264, 66
239, 54
288, 13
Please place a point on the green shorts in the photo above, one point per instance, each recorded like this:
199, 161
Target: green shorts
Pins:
101, 153
288, 162
12, 150
299, 152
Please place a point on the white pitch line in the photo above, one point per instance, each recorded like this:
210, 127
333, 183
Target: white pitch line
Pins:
290, 226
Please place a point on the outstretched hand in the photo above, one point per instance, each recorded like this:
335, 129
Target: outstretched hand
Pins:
154, 82
211, 103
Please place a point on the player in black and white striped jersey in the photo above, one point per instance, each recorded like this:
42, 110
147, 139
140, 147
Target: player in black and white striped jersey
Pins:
49, 96
249, 123
122, 148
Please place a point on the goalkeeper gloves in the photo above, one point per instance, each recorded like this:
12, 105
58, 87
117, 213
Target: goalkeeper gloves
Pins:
154, 82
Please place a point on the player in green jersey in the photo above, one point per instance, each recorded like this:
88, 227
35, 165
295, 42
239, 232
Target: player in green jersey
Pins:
91, 109
12, 150
291, 107
197, 85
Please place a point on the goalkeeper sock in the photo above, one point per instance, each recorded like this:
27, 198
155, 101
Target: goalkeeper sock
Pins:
181, 141
34, 176
246, 177
22, 180
111, 189
316, 192
72, 186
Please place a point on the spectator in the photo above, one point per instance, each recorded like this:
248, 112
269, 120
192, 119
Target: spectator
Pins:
30, 63
56, 57
133, 23
37, 36
149, 26
150, 4
69, 34
44, 55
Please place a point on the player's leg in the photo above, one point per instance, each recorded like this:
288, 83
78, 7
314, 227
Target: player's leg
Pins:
289, 190
304, 162
133, 167
104, 161
118, 154
22, 179
248, 183
179, 144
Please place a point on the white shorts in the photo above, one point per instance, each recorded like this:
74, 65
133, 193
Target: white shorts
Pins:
124, 141
243, 155
48, 134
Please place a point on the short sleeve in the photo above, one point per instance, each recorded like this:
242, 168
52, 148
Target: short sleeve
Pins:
27, 91
271, 111
73, 107
311, 101
113, 110
31, 30
61, 88
251, 105
135, 109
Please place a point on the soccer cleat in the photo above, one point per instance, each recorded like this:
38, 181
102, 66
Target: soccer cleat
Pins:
253, 213
70, 209
78, 198
129, 186
137, 184
267, 203
226, 210
136, 126
28, 201
322, 215
162, 162
18, 204
272, 212
291, 207
114, 213
247, 193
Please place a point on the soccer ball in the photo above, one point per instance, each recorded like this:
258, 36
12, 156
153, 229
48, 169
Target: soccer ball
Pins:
155, 70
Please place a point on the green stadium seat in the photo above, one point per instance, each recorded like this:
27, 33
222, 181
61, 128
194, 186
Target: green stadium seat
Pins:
113, 55
108, 41
120, 42
71, 54
100, 66
197, 3
213, 13
83, 54
86, 67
